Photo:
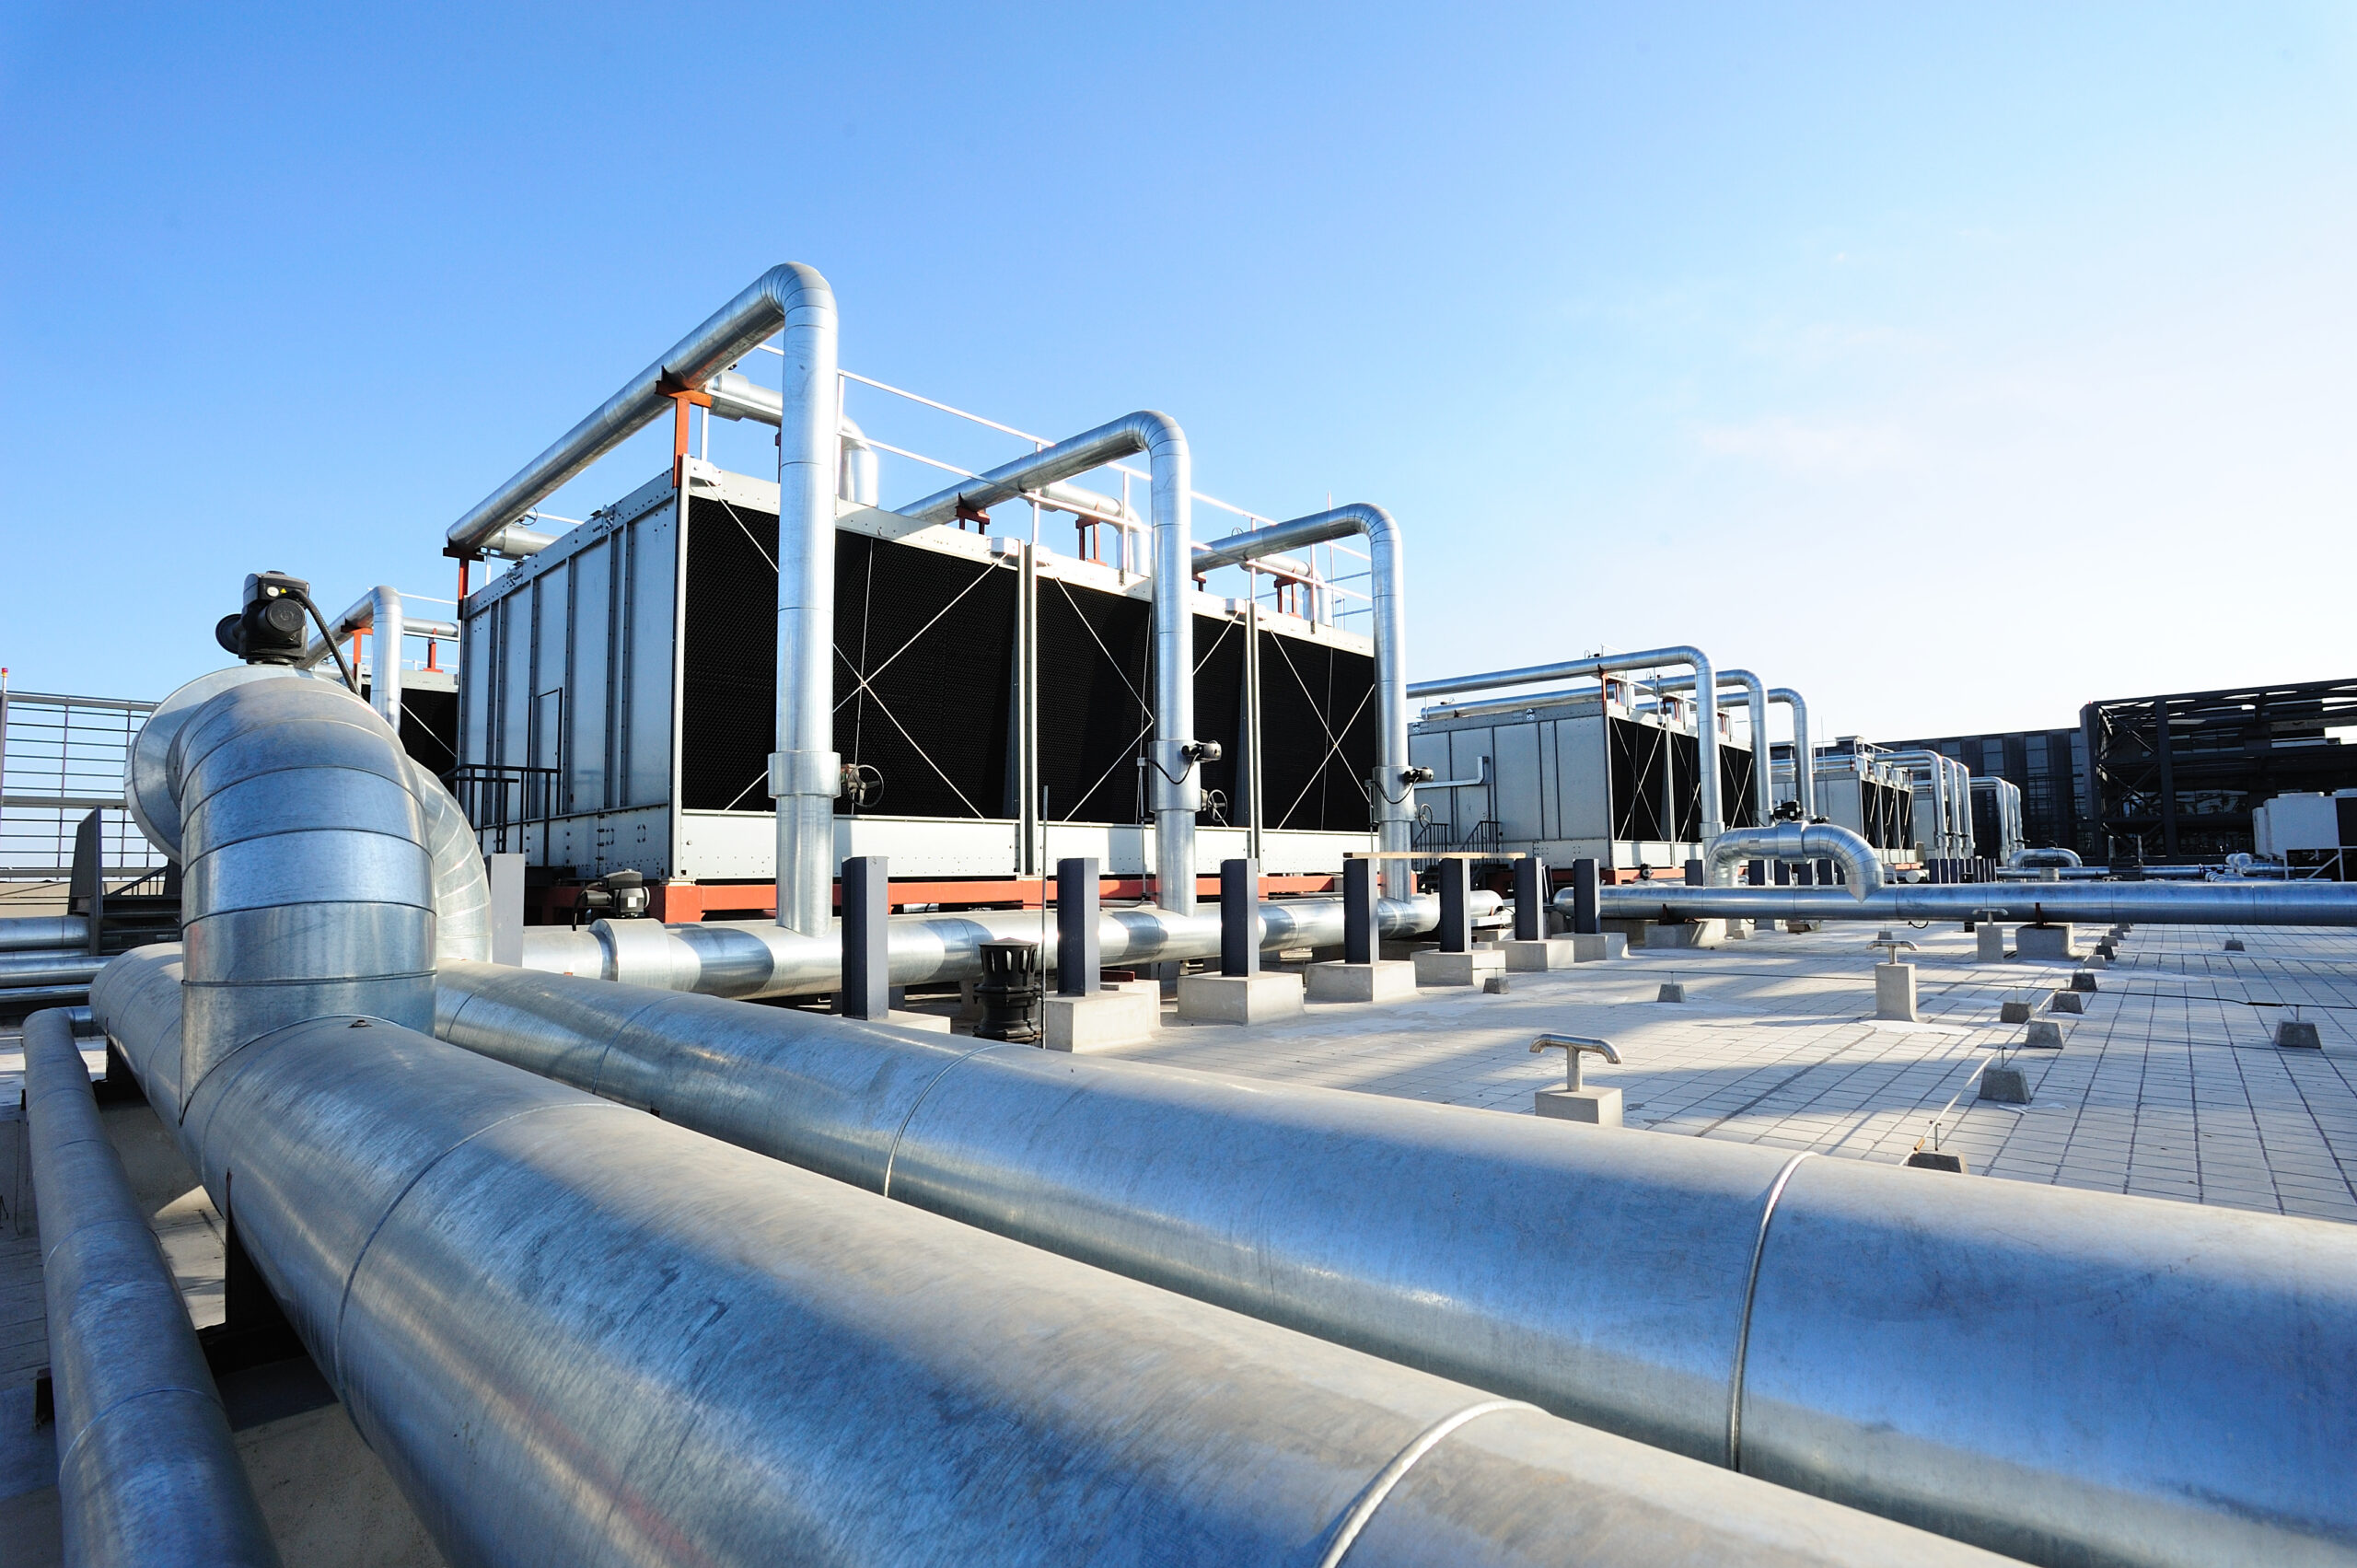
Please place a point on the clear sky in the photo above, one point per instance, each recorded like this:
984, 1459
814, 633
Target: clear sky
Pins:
1954, 365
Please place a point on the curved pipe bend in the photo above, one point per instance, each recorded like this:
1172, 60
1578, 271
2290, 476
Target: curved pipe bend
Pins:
1395, 797
1793, 844
2028, 859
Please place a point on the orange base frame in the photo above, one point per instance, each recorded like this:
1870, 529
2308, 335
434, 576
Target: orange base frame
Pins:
678, 903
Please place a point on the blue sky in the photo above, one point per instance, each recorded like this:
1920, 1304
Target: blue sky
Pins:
1955, 366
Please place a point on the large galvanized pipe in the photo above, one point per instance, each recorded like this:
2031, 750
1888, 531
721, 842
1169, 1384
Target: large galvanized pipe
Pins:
1174, 782
574, 1334
1763, 783
146, 1470
1795, 843
1395, 795
2089, 902
2121, 1349
381, 611
1706, 678
1804, 753
754, 958
27, 932
317, 857
2028, 859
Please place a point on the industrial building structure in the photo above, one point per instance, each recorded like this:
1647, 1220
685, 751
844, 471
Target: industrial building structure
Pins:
675, 1224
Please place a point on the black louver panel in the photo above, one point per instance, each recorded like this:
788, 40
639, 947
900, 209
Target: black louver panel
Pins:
1095, 711
1635, 757
1318, 727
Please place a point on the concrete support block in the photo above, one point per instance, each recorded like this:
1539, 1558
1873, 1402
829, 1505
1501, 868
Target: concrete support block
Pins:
1458, 969
2044, 942
1935, 1159
2298, 1034
1685, 934
2068, 1002
2005, 1086
1671, 991
2098, 959
1553, 953
1240, 998
1597, 1108
2045, 1034
2016, 1012
1384, 981
2082, 979
1602, 944
2233, 945
1102, 1019
1991, 943
1895, 991
931, 1023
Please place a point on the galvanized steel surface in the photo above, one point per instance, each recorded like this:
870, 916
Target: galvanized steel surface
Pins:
577, 1335
1803, 751
147, 1473
1874, 1344
2141, 903
25, 932
1795, 843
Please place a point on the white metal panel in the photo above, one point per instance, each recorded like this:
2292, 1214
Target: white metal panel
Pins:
1513, 767
648, 644
1583, 779
592, 677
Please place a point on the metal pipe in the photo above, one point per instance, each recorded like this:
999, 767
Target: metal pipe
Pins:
1804, 752
24, 932
244, 776
1175, 784
379, 610
67, 968
2089, 902
1707, 733
857, 482
576, 1334
1932, 767
1631, 1282
1795, 843
516, 542
1394, 794
1763, 783
755, 959
2022, 859
146, 1470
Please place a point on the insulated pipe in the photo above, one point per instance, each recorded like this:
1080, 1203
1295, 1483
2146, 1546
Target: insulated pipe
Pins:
316, 855
2023, 859
1795, 843
1633, 1282
2088, 903
1707, 733
516, 542
1395, 794
1931, 767
857, 480
805, 772
1804, 753
754, 958
575, 1334
27, 932
1763, 782
146, 1470
378, 612
1175, 785
49, 969
735, 396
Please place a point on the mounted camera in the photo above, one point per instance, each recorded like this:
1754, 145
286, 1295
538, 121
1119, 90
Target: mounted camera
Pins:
270, 629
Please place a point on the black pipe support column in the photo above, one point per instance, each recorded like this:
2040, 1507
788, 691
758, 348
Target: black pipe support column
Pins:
1693, 872
867, 927
1529, 898
1587, 918
1358, 912
1079, 960
1755, 873
1239, 917
1456, 905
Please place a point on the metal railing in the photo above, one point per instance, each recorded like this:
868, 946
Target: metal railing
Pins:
505, 804
62, 757
1330, 600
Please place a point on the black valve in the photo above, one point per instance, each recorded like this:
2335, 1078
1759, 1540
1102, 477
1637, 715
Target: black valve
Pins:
270, 630
619, 895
